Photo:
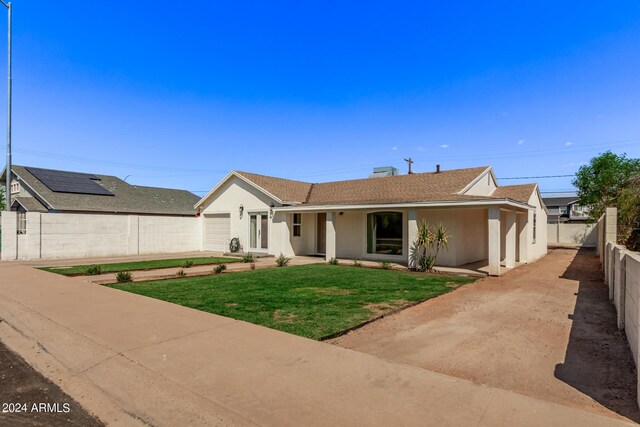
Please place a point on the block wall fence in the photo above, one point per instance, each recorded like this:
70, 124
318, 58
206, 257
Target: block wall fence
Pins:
64, 235
622, 275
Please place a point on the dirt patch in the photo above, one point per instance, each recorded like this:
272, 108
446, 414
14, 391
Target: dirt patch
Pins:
22, 387
377, 309
231, 304
325, 291
282, 316
545, 330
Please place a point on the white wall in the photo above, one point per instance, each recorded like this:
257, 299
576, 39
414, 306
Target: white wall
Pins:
485, 185
66, 235
572, 234
538, 248
227, 200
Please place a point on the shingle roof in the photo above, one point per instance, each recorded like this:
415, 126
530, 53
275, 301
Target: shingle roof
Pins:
286, 190
559, 201
31, 204
126, 198
519, 193
419, 187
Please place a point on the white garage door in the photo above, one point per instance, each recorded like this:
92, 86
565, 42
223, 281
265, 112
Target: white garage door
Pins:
217, 232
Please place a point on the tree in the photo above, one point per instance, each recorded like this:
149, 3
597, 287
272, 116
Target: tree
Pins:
601, 182
1, 198
629, 214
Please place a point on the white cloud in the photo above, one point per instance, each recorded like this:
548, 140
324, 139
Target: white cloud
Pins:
394, 148
420, 148
520, 142
568, 143
444, 146
568, 165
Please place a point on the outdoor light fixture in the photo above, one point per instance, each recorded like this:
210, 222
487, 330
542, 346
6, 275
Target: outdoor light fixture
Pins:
271, 211
240, 210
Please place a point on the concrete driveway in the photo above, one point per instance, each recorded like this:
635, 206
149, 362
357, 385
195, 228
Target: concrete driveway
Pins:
545, 330
132, 360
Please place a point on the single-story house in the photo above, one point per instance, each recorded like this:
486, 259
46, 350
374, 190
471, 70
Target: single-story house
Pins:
64, 214
47, 190
377, 218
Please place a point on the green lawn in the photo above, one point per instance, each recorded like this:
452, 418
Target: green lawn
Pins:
312, 300
141, 265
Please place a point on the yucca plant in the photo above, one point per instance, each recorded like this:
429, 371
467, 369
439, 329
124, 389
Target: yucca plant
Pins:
430, 237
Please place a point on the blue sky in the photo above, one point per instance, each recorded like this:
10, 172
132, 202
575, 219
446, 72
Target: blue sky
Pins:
176, 94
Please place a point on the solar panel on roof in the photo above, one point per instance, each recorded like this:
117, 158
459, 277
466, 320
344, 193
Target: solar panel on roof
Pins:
69, 182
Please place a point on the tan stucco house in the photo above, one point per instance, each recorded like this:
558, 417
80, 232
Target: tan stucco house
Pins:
377, 218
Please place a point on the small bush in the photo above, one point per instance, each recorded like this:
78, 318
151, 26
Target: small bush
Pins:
93, 270
247, 258
219, 268
124, 277
253, 265
187, 263
357, 263
385, 265
282, 261
333, 261
181, 273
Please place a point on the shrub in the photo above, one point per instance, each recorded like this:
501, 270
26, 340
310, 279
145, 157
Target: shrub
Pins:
248, 258
181, 273
124, 277
92, 270
429, 238
219, 268
253, 265
282, 261
357, 263
333, 261
187, 263
385, 265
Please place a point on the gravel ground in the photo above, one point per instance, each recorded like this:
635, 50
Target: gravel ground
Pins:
546, 330
29, 399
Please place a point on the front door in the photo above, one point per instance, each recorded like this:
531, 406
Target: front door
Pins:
321, 237
258, 232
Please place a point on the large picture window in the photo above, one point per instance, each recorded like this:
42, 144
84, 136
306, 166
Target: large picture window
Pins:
384, 233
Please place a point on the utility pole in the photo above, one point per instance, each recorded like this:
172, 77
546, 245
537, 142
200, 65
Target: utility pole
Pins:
409, 162
8, 177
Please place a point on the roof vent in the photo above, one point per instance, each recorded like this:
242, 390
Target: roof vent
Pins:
384, 171
437, 168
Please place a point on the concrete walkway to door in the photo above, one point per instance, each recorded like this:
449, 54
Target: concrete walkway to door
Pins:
545, 330
132, 360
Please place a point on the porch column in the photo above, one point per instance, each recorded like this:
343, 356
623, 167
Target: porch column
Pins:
412, 235
494, 241
523, 237
510, 239
330, 250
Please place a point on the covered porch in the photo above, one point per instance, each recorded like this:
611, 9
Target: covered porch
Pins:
491, 239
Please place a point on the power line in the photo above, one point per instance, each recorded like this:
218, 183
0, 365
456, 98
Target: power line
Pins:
539, 177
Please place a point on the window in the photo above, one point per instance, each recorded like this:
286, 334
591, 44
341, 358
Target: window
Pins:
563, 209
22, 222
15, 187
384, 233
297, 225
535, 218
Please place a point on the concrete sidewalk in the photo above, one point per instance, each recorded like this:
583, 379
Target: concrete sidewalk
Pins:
133, 360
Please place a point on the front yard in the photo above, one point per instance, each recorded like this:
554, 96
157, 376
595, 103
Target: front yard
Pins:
311, 300
140, 265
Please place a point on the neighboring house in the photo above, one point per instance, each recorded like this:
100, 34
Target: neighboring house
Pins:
47, 190
62, 214
565, 209
378, 218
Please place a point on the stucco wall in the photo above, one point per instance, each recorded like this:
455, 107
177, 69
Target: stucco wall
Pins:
64, 235
537, 248
573, 234
483, 187
227, 200
351, 229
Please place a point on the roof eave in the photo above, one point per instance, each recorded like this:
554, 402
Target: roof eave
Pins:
443, 203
